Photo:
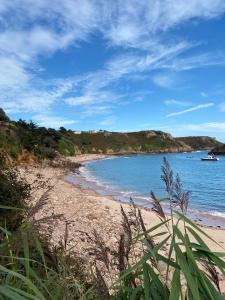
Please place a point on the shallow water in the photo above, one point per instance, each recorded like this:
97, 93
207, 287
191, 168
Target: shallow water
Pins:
136, 175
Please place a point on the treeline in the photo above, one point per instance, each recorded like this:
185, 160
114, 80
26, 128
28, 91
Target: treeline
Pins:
42, 142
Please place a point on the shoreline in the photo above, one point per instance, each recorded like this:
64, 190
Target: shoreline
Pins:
84, 210
200, 217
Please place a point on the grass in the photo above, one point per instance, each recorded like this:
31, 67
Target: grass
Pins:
170, 260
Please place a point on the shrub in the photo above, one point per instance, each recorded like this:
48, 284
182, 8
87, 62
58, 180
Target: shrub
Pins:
13, 193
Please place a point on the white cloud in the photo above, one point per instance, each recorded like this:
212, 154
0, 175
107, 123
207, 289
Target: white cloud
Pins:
194, 108
214, 127
194, 62
51, 121
173, 102
33, 96
12, 73
32, 29
108, 121
163, 81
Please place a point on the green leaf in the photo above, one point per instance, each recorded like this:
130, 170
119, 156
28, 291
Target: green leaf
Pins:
175, 286
146, 281
11, 207
23, 279
6, 291
187, 273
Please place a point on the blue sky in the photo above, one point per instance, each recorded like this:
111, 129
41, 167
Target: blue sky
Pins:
116, 65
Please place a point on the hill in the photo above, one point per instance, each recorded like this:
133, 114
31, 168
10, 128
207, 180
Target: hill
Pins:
220, 150
22, 140
200, 142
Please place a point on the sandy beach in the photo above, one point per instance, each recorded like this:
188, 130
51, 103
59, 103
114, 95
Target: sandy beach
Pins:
84, 210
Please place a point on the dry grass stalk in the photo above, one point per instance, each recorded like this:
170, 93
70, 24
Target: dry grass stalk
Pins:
121, 254
157, 207
212, 273
167, 176
148, 238
128, 233
181, 198
102, 251
101, 285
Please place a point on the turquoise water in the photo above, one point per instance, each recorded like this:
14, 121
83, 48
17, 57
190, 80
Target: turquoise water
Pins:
137, 175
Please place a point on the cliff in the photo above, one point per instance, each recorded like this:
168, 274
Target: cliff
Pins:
26, 141
200, 142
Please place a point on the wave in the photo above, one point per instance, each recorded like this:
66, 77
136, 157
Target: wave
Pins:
217, 214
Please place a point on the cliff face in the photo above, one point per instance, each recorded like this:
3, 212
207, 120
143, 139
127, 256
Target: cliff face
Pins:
25, 141
131, 142
200, 142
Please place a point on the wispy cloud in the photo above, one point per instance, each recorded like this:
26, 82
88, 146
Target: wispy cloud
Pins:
109, 121
52, 121
216, 127
206, 128
31, 30
163, 80
173, 102
194, 108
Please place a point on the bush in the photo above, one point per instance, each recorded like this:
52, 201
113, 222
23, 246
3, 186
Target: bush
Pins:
13, 193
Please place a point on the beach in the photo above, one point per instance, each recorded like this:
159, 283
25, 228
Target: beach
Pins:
85, 211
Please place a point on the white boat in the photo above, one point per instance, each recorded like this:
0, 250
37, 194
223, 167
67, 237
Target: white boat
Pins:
211, 157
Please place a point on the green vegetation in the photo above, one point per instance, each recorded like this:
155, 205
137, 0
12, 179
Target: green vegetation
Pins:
3, 116
30, 268
20, 136
17, 137
200, 142
219, 150
13, 192
168, 261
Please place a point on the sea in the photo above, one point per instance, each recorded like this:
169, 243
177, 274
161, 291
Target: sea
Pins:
135, 176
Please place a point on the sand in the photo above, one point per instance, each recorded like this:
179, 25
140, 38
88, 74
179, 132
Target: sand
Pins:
85, 211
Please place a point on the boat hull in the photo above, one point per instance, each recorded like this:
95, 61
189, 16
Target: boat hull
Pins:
210, 159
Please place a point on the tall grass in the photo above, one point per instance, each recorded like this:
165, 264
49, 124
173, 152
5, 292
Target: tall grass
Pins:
170, 260
30, 269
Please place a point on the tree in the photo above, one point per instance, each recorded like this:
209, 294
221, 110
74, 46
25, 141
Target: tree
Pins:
3, 116
62, 129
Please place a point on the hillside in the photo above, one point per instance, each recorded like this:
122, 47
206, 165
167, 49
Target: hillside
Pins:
20, 138
200, 142
220, 150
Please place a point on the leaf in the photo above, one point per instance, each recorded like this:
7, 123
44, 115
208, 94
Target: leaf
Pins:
24, 279
187, 273
175, 286
146, 281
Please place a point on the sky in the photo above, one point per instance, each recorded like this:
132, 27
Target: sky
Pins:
118, 65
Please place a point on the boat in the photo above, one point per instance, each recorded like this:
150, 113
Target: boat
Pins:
210, 157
